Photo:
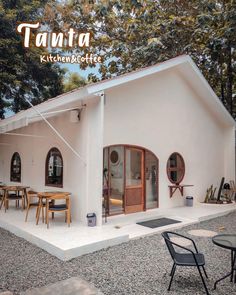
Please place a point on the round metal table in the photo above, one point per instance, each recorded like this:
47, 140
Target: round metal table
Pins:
227, 241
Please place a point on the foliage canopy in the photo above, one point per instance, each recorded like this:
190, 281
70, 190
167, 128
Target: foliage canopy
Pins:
138, 33
22, 74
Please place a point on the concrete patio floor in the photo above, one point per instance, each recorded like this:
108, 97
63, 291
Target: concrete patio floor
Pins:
67, 243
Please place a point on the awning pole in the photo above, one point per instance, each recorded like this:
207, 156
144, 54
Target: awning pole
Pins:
57, 133
25, 135
57, 112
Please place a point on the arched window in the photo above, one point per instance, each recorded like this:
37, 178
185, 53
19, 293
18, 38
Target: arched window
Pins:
54, 168
15, 168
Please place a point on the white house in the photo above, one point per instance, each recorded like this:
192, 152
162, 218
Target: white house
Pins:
139, 138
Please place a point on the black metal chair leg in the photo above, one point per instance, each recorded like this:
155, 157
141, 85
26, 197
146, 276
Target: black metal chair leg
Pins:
205, 272
203, 281
172, 276
232, 265
172, 269
221, 279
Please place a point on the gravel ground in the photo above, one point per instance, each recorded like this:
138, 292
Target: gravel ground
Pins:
137, 267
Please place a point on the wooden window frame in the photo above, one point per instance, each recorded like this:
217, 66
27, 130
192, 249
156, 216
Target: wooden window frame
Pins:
11, 170
60, 185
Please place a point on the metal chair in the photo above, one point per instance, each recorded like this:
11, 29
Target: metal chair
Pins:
190, 258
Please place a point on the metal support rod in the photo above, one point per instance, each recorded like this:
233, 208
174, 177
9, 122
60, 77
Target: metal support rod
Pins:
57, 133
57, 112
26, 135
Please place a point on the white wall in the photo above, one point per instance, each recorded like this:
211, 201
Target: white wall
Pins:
163, 114
93, 198
33, 152
159, 112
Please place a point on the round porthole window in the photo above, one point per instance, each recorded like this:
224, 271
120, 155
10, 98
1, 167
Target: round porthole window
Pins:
114, 157
175, 168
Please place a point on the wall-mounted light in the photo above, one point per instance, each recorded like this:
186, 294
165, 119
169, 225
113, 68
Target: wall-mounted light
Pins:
75, 115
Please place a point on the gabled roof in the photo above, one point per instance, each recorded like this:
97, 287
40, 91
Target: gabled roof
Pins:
184, 64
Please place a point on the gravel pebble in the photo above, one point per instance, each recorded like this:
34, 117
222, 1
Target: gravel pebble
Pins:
139, 266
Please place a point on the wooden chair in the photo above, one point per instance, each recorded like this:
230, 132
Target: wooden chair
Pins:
52, 207
12, 194
1, 199
31, 195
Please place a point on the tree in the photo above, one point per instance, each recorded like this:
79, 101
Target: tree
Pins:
73, 81
138, 33
217, 30
22, 75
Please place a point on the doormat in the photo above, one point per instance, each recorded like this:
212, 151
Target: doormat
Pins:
158, 222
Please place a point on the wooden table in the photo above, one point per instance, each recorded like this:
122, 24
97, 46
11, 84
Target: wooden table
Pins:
15, 188
46, 195
173, 188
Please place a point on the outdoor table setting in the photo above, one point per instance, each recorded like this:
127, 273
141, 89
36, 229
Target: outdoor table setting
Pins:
227, 241
48, 197
20, 193
45, 201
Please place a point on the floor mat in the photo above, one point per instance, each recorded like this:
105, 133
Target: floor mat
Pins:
158, 222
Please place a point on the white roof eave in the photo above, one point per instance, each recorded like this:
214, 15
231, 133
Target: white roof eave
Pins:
141, 73
16, 121
90, 90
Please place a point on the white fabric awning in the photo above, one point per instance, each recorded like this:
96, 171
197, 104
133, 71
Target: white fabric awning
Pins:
23, 122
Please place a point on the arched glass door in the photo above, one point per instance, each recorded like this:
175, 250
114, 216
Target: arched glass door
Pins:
130, 179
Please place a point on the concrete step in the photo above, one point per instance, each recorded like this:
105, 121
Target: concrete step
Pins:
72, 286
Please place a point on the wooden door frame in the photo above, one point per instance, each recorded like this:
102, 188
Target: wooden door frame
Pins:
143, 171
109, 179
142, 168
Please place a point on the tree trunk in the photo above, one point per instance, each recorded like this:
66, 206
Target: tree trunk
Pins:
16, 104
229, 85
2, 111
222, 86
